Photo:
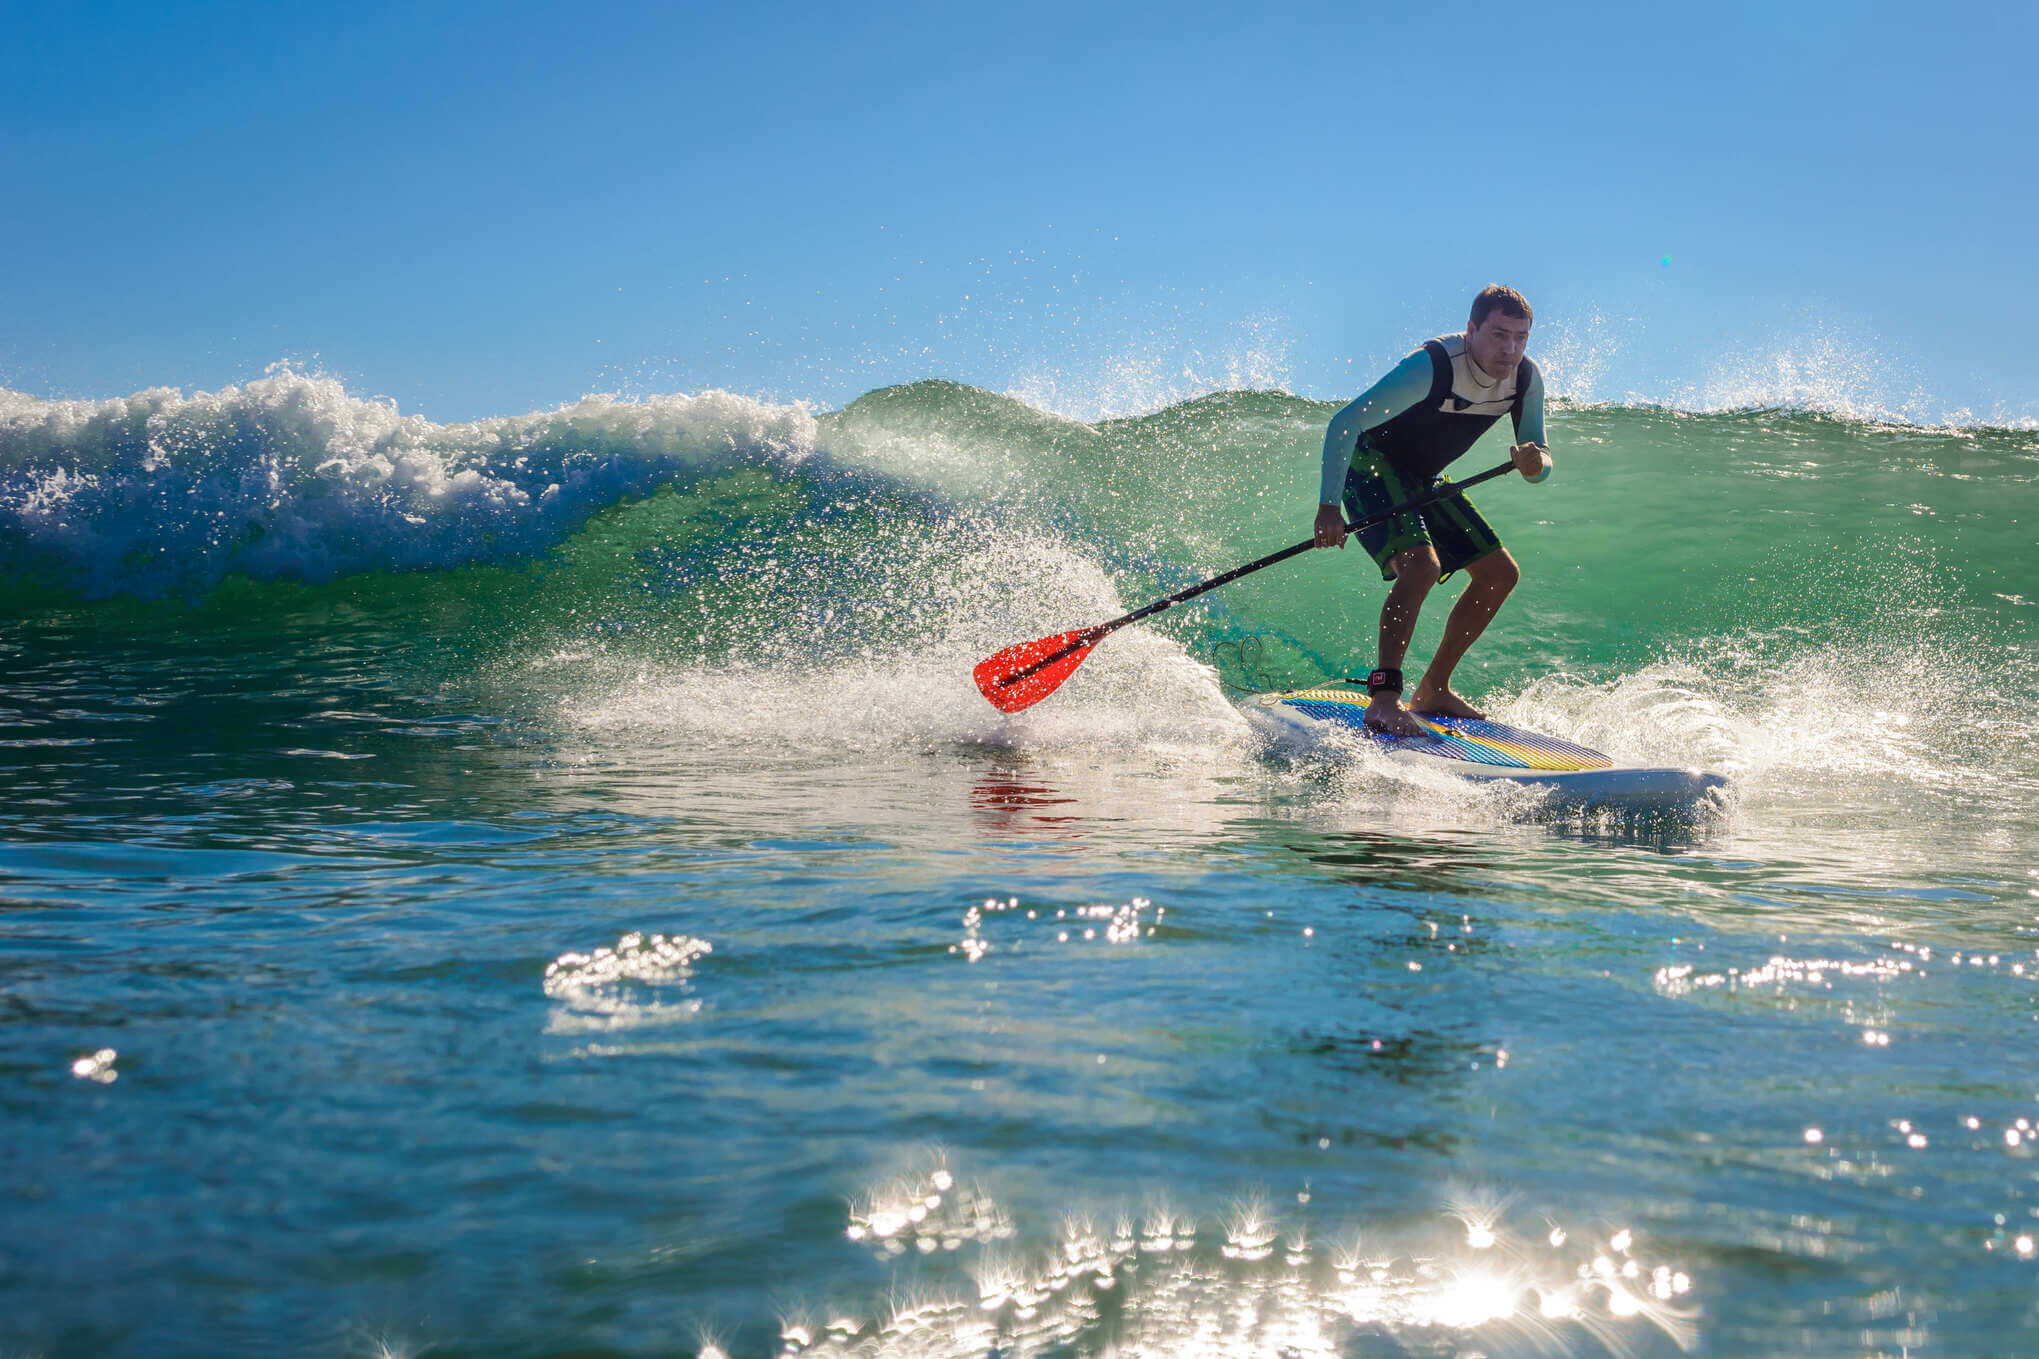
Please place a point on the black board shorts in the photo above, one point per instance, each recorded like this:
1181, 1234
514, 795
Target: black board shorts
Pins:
1451, 525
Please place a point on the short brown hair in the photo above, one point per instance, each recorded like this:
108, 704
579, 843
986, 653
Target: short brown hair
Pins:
1499, 297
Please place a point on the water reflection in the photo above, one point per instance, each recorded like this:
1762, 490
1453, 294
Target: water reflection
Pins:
1004, 923
639, 980
1008, 797
1156, 1281
1434, 864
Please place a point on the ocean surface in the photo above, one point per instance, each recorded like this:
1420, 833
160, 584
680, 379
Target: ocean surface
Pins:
548, 886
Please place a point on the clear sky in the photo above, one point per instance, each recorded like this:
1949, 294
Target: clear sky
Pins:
490, 209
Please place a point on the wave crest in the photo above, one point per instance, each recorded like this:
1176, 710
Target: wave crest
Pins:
289, 477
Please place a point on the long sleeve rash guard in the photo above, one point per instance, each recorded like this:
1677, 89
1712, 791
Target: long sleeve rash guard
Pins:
1406, 383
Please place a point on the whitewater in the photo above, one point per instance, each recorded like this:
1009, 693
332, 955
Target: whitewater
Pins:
548, 884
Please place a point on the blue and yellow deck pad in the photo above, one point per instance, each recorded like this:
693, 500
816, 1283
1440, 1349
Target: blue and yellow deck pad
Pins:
1452, 738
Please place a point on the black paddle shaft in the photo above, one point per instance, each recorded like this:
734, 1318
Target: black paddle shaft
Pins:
1092, 636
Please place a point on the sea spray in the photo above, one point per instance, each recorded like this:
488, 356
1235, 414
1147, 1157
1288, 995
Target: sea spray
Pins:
289, 477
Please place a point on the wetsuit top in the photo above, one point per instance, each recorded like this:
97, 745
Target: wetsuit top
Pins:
1431, 408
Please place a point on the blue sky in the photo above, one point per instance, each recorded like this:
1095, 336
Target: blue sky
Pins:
492, 209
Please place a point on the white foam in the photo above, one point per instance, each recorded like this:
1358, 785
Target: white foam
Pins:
1137, 689
1820, 371
289, 477
1817, 368
1140, 377
1777, 711
1576, 354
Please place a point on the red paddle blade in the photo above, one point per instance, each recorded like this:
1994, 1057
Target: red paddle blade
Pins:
1021, 676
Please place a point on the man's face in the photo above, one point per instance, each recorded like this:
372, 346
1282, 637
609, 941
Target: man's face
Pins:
1496, 344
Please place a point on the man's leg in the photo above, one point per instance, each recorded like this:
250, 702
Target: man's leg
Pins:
1493, 576
1416, 570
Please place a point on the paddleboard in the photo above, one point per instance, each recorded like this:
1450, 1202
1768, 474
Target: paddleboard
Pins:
1478, 749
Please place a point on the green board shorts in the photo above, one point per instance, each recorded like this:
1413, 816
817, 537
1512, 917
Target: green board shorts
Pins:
1450, 525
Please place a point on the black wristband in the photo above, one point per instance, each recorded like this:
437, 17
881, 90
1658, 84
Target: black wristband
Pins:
1384, 681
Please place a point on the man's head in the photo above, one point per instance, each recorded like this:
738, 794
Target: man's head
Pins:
1498, 330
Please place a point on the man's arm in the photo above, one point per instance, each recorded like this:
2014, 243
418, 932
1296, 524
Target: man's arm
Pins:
1404, 386
1529, 425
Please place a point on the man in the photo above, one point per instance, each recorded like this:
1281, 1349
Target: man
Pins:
1392, 444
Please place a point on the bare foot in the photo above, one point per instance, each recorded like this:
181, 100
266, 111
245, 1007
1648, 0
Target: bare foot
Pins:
1386, 713
1442, 703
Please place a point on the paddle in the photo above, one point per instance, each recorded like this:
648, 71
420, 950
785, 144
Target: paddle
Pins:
1021, 676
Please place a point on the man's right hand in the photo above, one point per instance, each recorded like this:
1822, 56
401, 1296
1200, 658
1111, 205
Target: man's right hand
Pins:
1330, 526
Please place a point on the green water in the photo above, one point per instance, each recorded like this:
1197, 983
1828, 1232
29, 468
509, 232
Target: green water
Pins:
549, 886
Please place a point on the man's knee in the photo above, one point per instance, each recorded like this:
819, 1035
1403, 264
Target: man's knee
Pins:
1496, 570
1417, 568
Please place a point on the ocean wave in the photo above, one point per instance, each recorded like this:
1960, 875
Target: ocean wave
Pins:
289, 477
1817, 371
1755, 398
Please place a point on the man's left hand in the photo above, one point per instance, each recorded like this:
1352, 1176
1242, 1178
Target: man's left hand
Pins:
1531, 460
